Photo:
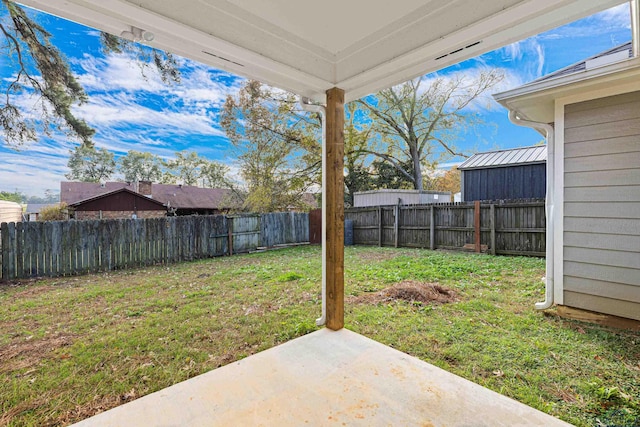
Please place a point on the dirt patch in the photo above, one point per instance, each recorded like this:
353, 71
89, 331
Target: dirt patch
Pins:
32, 291
430, 293
25, 352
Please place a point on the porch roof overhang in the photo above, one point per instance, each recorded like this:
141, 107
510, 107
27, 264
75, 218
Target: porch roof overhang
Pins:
536, 101
360, 46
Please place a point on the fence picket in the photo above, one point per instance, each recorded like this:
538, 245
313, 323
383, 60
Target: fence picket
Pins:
61, 248
506, 227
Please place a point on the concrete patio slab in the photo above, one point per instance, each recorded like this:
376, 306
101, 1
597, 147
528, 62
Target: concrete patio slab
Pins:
325, 378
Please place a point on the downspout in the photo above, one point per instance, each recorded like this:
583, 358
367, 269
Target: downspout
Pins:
306, 105
549, 131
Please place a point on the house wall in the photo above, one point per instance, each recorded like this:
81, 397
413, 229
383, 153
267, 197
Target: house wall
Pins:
505, 183
125, 214
122, 201
601, 227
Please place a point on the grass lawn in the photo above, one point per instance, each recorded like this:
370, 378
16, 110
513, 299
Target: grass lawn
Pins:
73, 347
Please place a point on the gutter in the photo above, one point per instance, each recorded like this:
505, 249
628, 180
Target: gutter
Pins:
306, 105
549, 133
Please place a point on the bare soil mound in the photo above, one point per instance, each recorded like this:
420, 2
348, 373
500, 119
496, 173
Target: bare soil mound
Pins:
430, 293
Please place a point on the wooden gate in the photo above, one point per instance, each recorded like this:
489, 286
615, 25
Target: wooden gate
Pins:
315, 226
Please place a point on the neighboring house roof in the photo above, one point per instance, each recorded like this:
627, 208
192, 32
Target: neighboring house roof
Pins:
623, 51
111, 193
35, 208
174, 196
535, 100
185, 196
72, 192
510, 157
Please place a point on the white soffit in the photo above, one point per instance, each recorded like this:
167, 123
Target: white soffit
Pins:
307, 47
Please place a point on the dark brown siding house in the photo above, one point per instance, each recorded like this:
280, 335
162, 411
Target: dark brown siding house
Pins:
177, 199
118, 204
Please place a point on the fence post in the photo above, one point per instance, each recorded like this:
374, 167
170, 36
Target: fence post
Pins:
230, 237
493, 229
476, 225
380, 226
432, 228
4, 249
396, 223
8, 250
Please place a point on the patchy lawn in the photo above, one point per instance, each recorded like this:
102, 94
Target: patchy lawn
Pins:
73, 347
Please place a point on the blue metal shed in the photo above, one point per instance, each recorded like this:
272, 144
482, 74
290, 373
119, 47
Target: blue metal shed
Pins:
518, 173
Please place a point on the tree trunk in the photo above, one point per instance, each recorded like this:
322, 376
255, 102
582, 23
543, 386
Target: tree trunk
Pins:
417, 171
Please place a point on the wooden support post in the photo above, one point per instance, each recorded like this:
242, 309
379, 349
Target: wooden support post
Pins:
476, 225
493, 229
335, 208
432, 228
380, 226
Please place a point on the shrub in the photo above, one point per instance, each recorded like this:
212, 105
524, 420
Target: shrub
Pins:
54, 213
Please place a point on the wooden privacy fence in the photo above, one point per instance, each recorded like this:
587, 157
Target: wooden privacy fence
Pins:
59, 248
506, 228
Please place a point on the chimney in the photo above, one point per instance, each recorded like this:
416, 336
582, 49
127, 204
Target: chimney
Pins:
144, 188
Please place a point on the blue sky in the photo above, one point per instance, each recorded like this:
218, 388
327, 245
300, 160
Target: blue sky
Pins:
131, 112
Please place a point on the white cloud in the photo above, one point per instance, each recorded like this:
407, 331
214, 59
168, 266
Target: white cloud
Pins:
128, 112
605, 22
530, 56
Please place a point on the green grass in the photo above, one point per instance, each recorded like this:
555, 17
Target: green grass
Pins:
71, 347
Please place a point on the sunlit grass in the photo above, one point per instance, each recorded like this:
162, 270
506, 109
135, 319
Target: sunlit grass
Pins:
72, 347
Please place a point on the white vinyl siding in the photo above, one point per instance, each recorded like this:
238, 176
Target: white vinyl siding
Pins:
602, 205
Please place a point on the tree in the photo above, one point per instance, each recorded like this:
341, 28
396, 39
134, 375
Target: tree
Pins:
387, 175
44, 73
270, 138
415, 122
138, 166
50, 196
185, 167
449, 181
214, 175
11, 197
358, 175
89, 164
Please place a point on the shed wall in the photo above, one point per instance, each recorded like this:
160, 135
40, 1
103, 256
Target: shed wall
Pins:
406, 197
505, 183
602, 205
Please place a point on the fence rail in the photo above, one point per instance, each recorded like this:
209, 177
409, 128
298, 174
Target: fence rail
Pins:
506, 228
61, 248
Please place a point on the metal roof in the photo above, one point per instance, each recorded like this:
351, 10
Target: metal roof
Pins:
501, 158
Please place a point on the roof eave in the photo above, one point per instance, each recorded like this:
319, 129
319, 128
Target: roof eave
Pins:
110, 193
535, 101
503, 166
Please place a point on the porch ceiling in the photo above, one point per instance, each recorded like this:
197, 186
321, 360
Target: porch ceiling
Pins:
306, 47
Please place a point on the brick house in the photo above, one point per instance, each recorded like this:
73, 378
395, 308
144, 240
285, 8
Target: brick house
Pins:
176, 199
118, 204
